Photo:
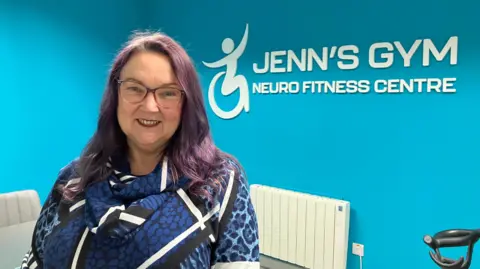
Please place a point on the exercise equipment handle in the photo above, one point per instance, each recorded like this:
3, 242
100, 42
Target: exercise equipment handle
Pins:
452, 238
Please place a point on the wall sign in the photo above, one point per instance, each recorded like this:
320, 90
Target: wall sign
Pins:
379, 55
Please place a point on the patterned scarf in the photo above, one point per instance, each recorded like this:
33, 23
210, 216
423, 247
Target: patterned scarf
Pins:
117, 206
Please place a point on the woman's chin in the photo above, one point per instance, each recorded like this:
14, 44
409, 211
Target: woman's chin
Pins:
148, 144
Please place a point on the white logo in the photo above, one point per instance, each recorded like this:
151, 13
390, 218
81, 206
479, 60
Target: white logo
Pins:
231, 81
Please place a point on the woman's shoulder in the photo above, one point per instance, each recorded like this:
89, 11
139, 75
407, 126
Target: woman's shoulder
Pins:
67, 175
226, 179
48, 217
230, 168
69, 172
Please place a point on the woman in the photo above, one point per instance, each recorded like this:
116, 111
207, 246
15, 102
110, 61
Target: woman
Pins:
150, 190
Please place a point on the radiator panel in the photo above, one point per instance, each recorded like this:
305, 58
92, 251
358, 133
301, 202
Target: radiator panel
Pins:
302, 229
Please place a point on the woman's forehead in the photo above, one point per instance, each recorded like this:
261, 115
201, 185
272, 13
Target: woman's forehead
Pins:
149, 68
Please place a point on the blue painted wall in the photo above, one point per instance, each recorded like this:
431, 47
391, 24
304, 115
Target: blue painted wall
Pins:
408, 163
54, 58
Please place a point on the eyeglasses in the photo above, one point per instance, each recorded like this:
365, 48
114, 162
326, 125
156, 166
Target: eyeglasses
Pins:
135, 92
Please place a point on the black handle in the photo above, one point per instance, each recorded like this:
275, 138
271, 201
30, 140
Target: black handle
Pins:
452, 238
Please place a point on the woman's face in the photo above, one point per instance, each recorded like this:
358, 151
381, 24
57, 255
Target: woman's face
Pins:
149, 120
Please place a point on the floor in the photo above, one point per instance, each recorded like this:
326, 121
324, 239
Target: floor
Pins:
271, 263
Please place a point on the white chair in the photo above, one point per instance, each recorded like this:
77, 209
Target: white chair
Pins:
18, 214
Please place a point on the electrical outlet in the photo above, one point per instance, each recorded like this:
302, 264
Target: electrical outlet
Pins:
357, 249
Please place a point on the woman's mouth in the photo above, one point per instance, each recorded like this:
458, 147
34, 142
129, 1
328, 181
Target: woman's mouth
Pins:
148, 123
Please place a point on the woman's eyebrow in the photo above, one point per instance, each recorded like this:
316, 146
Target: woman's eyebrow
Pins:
169, 84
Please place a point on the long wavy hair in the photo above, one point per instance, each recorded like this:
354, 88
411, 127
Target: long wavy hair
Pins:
191, 149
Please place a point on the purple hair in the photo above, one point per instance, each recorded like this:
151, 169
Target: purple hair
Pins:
191, 148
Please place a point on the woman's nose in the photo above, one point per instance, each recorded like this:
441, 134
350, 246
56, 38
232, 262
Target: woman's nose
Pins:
151, 103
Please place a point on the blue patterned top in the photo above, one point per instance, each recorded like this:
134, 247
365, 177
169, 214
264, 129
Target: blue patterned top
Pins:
149, 221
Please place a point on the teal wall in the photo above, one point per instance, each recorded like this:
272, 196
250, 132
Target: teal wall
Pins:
408, 163
54, 58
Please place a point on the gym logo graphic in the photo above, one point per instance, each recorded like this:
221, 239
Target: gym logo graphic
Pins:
231, 81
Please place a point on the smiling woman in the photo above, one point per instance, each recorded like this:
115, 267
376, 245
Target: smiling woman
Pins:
151, 190
148, 120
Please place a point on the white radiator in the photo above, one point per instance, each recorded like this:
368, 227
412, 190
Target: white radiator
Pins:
306, 230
